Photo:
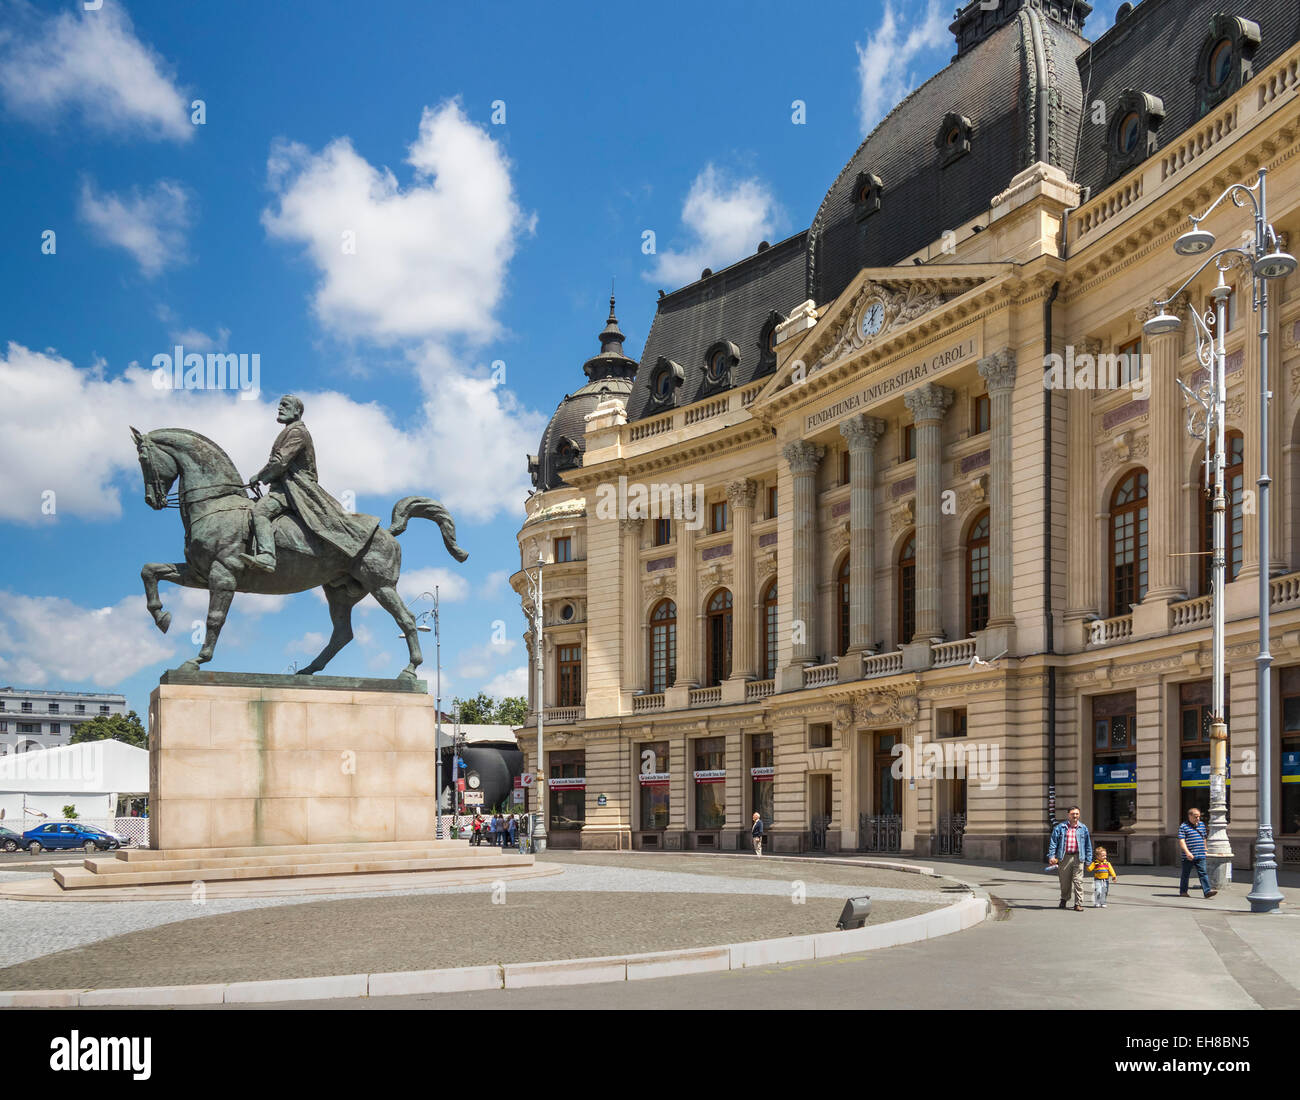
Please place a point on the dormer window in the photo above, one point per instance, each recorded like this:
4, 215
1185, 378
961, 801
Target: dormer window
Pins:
665, 379
866, 194
1224, 65
566, 453
1132, 134
953, 139
718, 364
767, 343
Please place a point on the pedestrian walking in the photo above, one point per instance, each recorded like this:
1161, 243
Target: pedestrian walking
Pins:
1069, 852
1191, 840
478, 830
756, 831
1103, 874
513, 829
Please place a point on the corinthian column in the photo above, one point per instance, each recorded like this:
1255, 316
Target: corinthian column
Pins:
928, 403
803, 458
634, 664
999, 373
1164, 464
860, 433
688, 599
1081, 579
744, 639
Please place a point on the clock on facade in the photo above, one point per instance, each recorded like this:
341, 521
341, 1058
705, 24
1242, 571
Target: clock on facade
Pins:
474, 781
873, 318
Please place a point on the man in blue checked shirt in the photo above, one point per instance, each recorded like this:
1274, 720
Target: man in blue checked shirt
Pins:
1191, 840
1070, 852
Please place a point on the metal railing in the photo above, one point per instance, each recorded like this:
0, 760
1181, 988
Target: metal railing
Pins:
880, 832
948, 837
818, 828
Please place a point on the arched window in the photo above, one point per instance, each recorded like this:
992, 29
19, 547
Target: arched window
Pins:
1128, 543
907, 591
663, 646
769, 632
718, 636
977, 575
842, 607
1234, 483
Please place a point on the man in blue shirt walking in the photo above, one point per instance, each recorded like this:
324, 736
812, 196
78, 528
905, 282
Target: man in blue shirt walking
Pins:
1070, 852
1191, 841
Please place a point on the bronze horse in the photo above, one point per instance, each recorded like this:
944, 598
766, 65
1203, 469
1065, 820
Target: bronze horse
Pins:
215, 509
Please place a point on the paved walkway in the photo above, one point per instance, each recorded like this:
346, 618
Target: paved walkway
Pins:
603, 904
1149, 949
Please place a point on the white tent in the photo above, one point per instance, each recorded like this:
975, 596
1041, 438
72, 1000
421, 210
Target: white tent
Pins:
479, 735
90, 776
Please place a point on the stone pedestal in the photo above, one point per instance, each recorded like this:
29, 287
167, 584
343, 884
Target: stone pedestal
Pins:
240, 760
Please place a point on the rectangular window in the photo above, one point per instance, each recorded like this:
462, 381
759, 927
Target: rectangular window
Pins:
663, 531
952, 722
819, 735
1114, 762
771, 501
56, 727
79, 708
908, 443
979, 414
26, 706
54, 708
568, 800
569, 658
846, 467
717, 516
564, 549
1194, 713
1130, 364
103, 708
4, 727
710, 786
29, 727
653, 775
762, 774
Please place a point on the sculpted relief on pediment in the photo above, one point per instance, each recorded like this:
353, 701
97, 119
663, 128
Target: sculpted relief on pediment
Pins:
876, 310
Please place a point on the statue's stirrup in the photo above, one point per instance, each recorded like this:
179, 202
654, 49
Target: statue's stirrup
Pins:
263, 562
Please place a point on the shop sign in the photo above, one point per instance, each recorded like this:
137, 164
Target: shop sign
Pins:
1196, 773
517, 796
1114, 777
572, 783
654, 779
761, 773
1291, 767
526, 779
601, 800
473, 798
716, 775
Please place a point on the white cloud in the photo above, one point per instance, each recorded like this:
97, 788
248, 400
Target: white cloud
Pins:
64, 429
475, 662
884, 63
51, 639
430, 258
193, 339
726, 218
494, 584
513, 683
150, 224
93, 63
308, 645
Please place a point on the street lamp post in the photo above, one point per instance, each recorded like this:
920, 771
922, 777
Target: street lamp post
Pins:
539, 704
1267, 261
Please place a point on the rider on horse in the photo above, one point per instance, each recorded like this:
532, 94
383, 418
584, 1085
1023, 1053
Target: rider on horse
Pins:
290, 476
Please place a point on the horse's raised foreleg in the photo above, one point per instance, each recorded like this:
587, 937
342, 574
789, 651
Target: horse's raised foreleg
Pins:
390, 601
221, 590
341, 604
153, 572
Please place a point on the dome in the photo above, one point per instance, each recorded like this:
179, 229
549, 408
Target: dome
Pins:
609, 373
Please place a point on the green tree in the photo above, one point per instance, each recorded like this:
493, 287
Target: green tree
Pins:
484, 710
512, 711
113, 727
70, 811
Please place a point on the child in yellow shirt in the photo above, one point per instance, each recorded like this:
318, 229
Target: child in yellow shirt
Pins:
1103, 874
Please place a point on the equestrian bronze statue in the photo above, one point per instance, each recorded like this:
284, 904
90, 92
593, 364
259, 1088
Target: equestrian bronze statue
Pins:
293, 538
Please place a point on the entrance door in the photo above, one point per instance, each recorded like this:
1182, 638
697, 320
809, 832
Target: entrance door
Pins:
887, 792
819, 808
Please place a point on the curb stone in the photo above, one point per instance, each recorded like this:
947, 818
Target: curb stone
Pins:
957, 917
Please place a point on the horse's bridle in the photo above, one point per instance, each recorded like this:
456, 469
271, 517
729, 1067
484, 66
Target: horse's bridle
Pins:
187, 496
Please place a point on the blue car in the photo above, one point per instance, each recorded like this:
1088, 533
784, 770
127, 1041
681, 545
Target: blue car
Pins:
67, 834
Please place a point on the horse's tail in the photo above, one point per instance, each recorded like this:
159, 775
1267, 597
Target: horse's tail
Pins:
427, 508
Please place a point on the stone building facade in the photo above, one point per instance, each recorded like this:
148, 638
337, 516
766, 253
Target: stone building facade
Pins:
939, 570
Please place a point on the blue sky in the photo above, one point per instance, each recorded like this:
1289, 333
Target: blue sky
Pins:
475, 240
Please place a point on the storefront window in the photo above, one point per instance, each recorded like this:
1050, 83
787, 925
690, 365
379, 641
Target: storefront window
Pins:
567, 785
710, 783
1289, 747
1114, 762
1194, 746
761, 776
654, 781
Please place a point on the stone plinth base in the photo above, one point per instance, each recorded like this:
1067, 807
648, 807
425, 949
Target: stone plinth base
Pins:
289, 762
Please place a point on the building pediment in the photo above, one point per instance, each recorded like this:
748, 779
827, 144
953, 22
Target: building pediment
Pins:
873, 313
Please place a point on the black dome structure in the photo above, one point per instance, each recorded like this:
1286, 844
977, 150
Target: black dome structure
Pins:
609, 373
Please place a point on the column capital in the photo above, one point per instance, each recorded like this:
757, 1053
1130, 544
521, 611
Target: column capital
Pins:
861, 432
803, 456
742, 493
631, 526
998, 370
1149, 309
928, 402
